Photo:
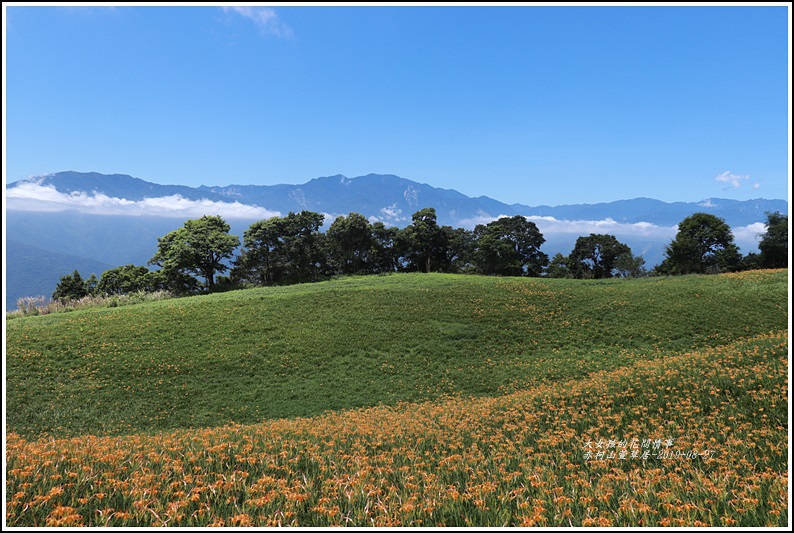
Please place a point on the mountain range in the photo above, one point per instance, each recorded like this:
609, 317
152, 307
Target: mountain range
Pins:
392, 199
71, 218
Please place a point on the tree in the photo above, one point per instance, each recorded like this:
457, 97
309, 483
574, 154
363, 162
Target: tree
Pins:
751, 261
198, 248
596, 256
423, 242
91, 284
350, 244
282, 250
703, 244
302, 251
385, 255
258, 261
129, 279
630, 266
461, 249
70, 287
510, 247
558, 267
774, 243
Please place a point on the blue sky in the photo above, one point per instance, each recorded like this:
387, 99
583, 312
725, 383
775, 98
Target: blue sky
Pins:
537, 105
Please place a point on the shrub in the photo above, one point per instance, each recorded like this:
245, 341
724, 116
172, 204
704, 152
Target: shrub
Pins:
40, 305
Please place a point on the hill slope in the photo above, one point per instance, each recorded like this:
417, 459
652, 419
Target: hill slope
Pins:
697, 439
32, 271
265, 353
645, 433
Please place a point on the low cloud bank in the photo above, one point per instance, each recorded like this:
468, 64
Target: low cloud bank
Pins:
553, 225
748, 237
35, 197
745, 237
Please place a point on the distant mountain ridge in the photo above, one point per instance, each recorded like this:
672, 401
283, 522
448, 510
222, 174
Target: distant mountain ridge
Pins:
113, 185
393, 200
91, 221
42, 269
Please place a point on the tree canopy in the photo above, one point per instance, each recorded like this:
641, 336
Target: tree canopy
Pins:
282, 250
597, 256
128, 279
350, 244
291, 249
703, 244
423, 242
198, 248
70, 287
510, 247
774, 243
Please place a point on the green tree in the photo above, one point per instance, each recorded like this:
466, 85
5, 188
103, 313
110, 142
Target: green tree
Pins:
199, 248
630, 266
91, 285
258, 262
510, 247
751, 261
303, 254
282, 250
596, 256
70, 287
704, 244
350, 244
461, 249
385, 256
423, 243
128, 279
774, 243
558, 267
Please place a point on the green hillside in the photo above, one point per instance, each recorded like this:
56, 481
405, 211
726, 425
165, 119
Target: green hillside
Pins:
257, 354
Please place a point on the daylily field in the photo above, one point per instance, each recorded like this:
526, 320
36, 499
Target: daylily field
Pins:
408, 400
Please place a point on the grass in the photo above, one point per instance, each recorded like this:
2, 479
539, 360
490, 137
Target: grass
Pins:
246, 356
519, 459
408, 400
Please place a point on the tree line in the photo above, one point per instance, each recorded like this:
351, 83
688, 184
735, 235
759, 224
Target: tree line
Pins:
291, 249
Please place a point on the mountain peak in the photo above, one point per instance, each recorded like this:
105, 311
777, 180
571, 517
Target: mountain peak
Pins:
121, 186
335, 178
393, 199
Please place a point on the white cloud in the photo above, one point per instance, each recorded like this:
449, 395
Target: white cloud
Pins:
748, 236
470, 223
35, 197
731, 179
265, 19
553, 226
393, 214
328, 219
745, 237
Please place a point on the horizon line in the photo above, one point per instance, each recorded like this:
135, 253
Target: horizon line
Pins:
198, 187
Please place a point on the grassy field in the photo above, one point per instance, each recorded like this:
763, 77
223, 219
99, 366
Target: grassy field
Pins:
457, 400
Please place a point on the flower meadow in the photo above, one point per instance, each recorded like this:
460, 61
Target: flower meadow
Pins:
242, 357
680, 439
